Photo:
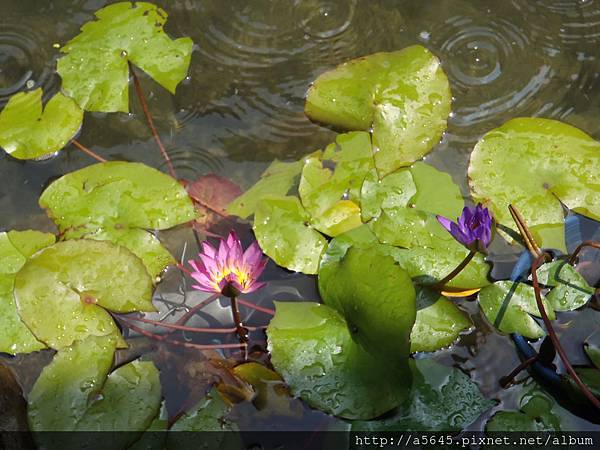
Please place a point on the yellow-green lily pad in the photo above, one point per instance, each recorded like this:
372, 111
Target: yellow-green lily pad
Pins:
403, 97
29, 132
95, 68
569, 289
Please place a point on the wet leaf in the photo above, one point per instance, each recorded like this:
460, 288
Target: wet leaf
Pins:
282, 230
277, 180
441, 399
15, 248
403, 96
556, 163
62, 292
438, 324
116, 201
393, 191
312, 348
211, 194
535, 414
436, 192
376, 298
569, 289
73, 393
269, 387
27, 132
593, 353
508, 305
95, 70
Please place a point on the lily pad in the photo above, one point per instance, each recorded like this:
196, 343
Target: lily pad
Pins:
556, 163
393, 191
117, 201
376, 297
438, 324
15, 248
62, 292
436, 192
441, 399
312, 348
593, 353
535, 414
27, 132
508, 305
95, 68
73, 393
403, 97
282, 229
277, 180
569, 289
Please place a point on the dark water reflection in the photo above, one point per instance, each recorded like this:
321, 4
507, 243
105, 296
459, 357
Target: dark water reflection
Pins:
242, 104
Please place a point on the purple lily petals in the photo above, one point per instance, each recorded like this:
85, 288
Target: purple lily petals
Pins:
473, 228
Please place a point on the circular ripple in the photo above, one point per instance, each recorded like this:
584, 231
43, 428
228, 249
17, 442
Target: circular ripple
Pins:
25, 62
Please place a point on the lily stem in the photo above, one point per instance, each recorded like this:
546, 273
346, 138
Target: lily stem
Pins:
580, 247
87, 151
510, 378
530, 242
256, 307
237, 320
440, 284
555, 341
140, 95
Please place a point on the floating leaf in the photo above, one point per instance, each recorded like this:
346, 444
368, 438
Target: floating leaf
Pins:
403, 96
15, 248
27, 132
211, 194
117, 201
593, 353
277, 180
73, 393
441, 399
436, 192
95, 70
438, 324
62, 291
569, 289
393, 191
268, 385
556, 163
282, 230
376, 298
312, 348
508, 305
535, 415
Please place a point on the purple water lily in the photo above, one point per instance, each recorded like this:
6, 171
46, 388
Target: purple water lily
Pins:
473, 228
228, 269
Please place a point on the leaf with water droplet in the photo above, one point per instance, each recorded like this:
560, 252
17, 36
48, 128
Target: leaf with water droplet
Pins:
283, 231
438, 324
375, 296
569, 289
62, 293
15, 248
403, 96
118, 201
535, 164
315, 353
441, 399
27, 132
508, 305
593, 352
536, 414
95, 70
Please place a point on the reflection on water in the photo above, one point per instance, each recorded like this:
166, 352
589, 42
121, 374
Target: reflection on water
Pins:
242, 104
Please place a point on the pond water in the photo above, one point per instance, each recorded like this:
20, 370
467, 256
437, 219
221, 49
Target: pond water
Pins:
242, 106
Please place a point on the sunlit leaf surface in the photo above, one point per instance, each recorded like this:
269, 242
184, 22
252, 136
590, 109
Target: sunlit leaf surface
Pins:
95, 70
30, 131
569, 289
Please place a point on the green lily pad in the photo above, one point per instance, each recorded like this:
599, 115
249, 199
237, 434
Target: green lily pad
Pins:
508, 305
277, 180
441, 399
403, 96
556, 163
15, 248
436, 192
73, 393
117, 201
393, 191
593, 353
281, 226
27, 132
535, 414
62, 292
95, 70
402, 227
569, 289
312, 348
438, 324
376, 297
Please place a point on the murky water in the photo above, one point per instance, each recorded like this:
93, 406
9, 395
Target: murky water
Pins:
242, 105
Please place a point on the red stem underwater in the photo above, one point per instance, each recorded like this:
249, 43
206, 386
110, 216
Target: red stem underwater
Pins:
87, 151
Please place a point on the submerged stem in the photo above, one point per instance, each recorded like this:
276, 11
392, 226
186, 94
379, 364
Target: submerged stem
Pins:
555, 341
140, 95
509, 379
440, 284
580, 247
87, 151
256, 307
237, 320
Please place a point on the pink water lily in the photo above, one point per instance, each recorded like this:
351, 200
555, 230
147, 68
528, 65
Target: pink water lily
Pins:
228, 269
